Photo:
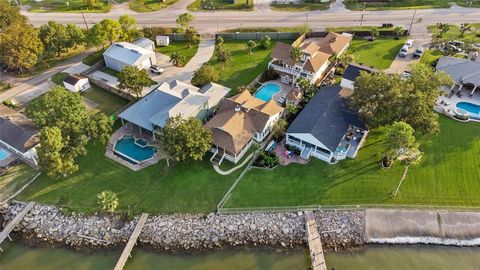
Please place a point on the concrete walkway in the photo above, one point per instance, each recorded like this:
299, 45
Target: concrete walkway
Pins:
219, 171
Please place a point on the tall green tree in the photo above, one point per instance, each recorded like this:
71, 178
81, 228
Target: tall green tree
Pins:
204, 75
184, 20
20, 46
177, 59
105, 32
400, 140
55, 38
91, 4
307, 88
222, 54
192, 36
279, 128
251, 44
184, 139
9, 15
296, 53
398, 32
265, 42
75, 35
129, 27
133, 80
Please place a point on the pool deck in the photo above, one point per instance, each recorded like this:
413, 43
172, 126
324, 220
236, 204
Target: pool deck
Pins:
132, 131
285, 88
449, 102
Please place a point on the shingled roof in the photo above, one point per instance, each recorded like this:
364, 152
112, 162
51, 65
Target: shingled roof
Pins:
17, 130
327, 116
353, 71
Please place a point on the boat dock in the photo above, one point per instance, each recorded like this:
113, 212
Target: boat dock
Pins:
314, 243
131, 242
11, 225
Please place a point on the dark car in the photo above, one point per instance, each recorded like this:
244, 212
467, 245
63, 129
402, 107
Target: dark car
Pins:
418, 53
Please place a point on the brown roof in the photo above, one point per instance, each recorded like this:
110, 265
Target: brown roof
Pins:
282, 51
334, 43
17, 130
313, 64
238, 118
310, 48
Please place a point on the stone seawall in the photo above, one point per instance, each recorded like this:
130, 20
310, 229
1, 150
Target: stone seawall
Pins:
180, 232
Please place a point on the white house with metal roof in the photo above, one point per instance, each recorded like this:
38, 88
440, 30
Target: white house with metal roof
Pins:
122, 54
171, 99
464, 72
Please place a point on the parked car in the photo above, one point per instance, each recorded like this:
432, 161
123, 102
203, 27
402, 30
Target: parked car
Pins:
418, 53
403, 51
156, 69
452, 47
457, 43
409, 43
405, 75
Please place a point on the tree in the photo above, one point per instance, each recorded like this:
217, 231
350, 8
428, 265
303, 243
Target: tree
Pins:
10, 15
192, 36
91, 4
296, 53
444, 27
100, 127
291, 109
204, 75
374, 33
400, 140
279, 128
464, 27
250, 45
265, 42
105, 32
222, 54
54, 37
177, 59
397, 32
75, 36
307, 88
184, 139
133, 80
129, 28
20, 46
184, 20
219, 41
108, 201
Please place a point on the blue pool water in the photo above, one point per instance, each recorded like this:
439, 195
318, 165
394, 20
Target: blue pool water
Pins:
267, 91
472, 109
127, 148
3, 154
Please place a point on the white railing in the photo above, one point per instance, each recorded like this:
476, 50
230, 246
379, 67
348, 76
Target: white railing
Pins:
284, 69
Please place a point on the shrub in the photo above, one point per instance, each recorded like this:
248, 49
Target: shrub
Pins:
205, 75
108, 200
269, 75
9, 103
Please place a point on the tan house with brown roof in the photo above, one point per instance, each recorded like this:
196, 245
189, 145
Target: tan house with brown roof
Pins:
314, 60
239, 121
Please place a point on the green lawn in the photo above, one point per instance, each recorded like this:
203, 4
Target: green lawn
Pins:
14, 179
200, 5
397, 4
453, 33
149, 5
61, 6
107, 102
430, 57
357, 28
49, 62
59, 78
379, 53
243, 67
300, 28
301, 6
447, 175
93, 58
464, 3
190, 187
180, 47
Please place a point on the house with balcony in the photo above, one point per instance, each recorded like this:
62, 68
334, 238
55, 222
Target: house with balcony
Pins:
326, 128
314, 61
239, 121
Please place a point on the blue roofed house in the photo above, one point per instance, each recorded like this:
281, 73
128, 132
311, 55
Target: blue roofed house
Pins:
171, 99
122, 54
326, 128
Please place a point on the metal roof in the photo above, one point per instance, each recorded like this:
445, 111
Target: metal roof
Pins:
126, 52
462, 71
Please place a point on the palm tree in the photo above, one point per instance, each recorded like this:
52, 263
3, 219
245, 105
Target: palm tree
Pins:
464, 27
374, 33
251, 44
444, 27
397, 32
177, 59
296, 53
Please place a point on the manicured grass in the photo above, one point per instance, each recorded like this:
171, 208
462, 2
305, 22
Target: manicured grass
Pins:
300, 6
180, 47
93, 58
61, 6
453, 33
448, 175
107, 102
110, 72
357, 28
14, 179
59, 78
242, 5
301, 29
243, 67
379, 53
397, 4
191, 186
149, 5
430, 57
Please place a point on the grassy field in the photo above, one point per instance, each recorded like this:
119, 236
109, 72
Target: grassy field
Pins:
93, 58
59, 78
243, 67
453, 33
397, 4
242, 5
149, 5
301, 6
180, 47
107, 102
430, 57
62, 6
379, 53
447, 175
14, 179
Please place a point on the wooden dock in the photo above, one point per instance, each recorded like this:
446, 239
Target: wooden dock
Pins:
131, 242
314, 243
11, 225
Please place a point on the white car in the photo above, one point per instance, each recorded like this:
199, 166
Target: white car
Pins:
409, 43
156, 69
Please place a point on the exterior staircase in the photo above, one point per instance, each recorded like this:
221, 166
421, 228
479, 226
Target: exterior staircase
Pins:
217, 157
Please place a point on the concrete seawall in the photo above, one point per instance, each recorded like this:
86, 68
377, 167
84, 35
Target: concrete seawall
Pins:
422, 227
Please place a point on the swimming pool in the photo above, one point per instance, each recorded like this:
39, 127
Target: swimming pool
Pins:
267, 91
472, 109
133, 151
4, 154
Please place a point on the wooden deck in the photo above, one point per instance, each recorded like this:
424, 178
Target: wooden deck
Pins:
11, 225
131, 242
314, 243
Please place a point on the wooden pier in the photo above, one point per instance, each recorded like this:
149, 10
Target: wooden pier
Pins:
314, 243
131, 242
11, 225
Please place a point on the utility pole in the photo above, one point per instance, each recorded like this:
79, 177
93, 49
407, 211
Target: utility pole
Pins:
411, 23
84, 20
363, 13
217, 24
306, 18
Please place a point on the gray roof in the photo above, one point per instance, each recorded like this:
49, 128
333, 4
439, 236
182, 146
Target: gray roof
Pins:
72, 79
326, 117
353, 71
126, 52
17, 130
462, 71
144, 43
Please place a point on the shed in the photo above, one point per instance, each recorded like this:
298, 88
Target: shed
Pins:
163, 40
76, 83
145, 43
122, 54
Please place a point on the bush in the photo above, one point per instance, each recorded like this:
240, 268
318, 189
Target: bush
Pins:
204, 75
266, 160
9, 103
151, 32
108, 201
265, 42
269, 75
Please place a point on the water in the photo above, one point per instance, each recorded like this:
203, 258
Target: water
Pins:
19, 257
267, 91
470, 108
3, 154
127, 148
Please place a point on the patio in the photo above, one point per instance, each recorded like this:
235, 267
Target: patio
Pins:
285, 89
284, 159
447, 103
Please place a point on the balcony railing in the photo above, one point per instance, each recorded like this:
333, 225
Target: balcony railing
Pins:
286, 70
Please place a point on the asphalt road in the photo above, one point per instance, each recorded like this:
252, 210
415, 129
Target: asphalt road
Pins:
209, 22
